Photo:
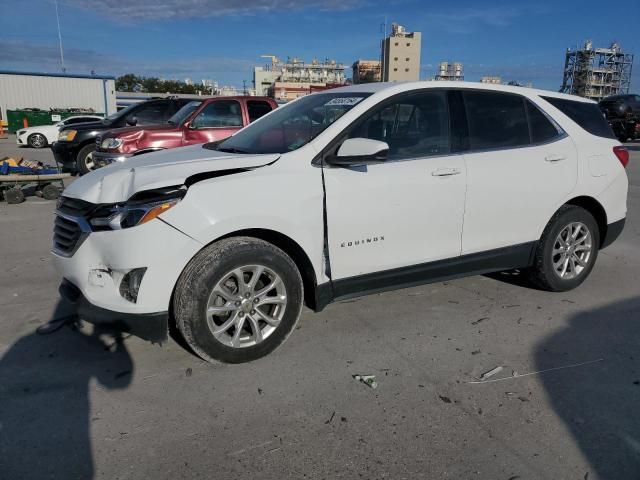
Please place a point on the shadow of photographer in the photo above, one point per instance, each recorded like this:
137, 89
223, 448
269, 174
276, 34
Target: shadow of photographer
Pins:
44, 399
599, 403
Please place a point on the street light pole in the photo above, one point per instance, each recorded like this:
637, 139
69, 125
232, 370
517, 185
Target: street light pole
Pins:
60, 38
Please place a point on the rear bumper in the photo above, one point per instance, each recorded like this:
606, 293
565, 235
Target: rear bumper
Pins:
149, 326
613, 232
65, 154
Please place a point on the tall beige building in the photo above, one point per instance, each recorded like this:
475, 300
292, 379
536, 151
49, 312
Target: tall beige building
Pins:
401, 55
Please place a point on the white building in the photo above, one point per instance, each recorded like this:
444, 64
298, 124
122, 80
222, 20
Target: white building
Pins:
45, 91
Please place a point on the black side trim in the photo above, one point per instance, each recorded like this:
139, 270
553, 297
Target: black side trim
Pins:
613, 232
149, 326
518, 256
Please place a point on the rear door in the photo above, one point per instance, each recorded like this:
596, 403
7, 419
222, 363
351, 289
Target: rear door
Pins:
407, 210
216, 120
520, 167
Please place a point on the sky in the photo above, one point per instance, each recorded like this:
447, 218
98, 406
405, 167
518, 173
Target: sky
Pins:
223, 40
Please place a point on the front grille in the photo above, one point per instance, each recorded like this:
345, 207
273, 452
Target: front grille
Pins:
70, 227
67, 236
74, 206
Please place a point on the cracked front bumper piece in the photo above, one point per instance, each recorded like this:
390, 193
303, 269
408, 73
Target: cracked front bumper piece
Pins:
126, 277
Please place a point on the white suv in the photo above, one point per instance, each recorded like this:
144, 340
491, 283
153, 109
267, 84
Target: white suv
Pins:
338, 194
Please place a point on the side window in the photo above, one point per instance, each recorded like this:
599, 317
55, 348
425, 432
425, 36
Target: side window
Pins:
152, 113
542, 129
257, 109
222, 113
72, 121
496, 120
414, 126
585, 114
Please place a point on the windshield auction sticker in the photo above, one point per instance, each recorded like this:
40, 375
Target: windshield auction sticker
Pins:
350, 101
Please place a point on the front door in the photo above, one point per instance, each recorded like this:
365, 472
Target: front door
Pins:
407, 210
216, 120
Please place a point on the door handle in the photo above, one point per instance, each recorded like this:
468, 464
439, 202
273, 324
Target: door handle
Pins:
554, 158
445, 172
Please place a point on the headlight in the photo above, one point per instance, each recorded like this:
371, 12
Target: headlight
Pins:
117, 217
21, 132
67, 135
110, 143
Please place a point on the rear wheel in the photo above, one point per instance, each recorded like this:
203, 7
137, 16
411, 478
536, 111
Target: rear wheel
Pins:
238, 300
84, 160
567, 250
37, 140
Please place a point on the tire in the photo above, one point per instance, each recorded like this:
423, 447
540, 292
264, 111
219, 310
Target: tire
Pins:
50, 192
553, 251
14, 195
216, 268
37, 140
84, 159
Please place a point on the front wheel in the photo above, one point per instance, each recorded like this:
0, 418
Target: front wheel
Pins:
37, 140
567, 250
84, 160
238, 300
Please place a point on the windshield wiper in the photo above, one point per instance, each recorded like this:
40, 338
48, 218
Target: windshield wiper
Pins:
231, 150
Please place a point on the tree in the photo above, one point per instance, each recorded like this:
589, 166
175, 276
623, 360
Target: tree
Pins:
133, 83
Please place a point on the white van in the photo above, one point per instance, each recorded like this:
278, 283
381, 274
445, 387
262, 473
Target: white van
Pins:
338, 194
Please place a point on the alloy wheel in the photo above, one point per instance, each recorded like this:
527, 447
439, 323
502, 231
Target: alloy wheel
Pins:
246, 306
89, 163
572, 251
38, 140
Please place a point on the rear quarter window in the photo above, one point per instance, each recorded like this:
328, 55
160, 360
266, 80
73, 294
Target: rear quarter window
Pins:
587, 115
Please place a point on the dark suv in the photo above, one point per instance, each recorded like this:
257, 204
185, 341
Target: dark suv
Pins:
76, 144
623, 114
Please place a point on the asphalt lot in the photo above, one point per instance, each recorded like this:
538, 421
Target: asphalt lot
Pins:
77, 404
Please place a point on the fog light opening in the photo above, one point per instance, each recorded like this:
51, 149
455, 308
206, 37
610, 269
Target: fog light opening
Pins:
130, 284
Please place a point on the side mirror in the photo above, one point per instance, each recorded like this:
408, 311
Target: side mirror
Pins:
132, 120
192, 126
360, 151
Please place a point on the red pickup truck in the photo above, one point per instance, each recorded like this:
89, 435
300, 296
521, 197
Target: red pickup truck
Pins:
199, 121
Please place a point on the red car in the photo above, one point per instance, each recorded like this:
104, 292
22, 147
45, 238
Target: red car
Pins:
199, 121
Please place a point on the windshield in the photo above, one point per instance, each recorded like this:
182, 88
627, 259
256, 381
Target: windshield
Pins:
181, 115
119, 113
292, 126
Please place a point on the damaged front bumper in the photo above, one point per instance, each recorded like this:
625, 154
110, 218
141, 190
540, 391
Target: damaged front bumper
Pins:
126, 277
148, 326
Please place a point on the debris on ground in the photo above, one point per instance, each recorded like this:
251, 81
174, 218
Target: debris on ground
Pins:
188, 372
476, 352
368, 380
491, 372
485, 376
445, 399
56, 324
479, 320
327, 422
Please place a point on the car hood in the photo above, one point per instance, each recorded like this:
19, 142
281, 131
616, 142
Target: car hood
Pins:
99, 125
119, 181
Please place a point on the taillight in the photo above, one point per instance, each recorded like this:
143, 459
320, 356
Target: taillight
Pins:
623, 155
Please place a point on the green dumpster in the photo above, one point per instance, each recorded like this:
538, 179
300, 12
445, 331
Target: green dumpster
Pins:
17, 119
